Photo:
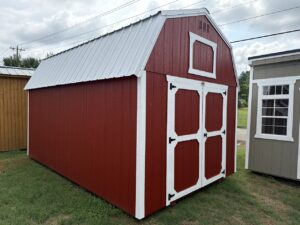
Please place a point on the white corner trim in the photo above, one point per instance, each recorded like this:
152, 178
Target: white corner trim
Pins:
249, 119
28, 123
236, 121
213, 45
298, 166
140, 147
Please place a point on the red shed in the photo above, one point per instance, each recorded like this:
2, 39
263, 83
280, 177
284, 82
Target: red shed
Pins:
141, 116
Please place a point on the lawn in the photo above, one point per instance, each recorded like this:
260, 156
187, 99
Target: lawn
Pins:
32, 194
242, 117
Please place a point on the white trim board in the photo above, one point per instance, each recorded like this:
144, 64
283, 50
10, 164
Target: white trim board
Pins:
277, 80
196, 38
298, 166
140, 147
28, 123
261, 97
249, 120
236, 124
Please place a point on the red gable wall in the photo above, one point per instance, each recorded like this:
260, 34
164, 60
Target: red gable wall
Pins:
171, 56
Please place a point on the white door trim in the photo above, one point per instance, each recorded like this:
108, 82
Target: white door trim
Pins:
223, 91
175, 83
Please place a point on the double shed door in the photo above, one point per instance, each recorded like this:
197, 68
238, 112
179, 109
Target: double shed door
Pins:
196, 132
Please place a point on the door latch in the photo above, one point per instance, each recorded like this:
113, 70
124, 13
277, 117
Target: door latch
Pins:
170, 196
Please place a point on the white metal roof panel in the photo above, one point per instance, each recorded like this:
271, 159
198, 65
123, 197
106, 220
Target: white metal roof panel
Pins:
120, 53
15, 71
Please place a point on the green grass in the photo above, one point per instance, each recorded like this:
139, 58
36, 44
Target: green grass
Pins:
32, 194
242, 117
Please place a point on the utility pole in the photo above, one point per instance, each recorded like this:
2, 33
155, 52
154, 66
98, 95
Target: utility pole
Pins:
18, 50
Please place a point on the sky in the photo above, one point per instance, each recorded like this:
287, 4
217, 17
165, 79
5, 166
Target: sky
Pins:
44, 26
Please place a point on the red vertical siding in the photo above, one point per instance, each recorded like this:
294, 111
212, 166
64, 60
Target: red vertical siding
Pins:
213, 156
186, 165
170, 56
187, 105
156, 136
87, 133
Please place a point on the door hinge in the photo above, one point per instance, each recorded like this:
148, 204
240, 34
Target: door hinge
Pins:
224, 132
223, 172
172, 86
205, 134
171, 140
225, 92
170, 196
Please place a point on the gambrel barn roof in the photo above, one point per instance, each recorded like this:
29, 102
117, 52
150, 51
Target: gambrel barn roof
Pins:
121, 53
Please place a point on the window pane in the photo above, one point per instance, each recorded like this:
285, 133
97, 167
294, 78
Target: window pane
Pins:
268, 111
281, 122
282, 103
281, 111
278, 90
272, 90
268, 121
280, 130
268, 103
286, 89
267, 129
266, 90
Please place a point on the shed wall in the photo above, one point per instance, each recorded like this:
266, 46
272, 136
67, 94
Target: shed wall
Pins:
13, 113
87, 133
171, 56
275, 157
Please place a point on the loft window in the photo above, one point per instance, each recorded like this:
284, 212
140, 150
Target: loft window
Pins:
193, 62
275, 111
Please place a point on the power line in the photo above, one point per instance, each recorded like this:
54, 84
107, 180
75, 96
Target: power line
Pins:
81, 23
119, 21
262, 15
265, 36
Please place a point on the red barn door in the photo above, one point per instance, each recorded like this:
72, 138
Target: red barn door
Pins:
196, 135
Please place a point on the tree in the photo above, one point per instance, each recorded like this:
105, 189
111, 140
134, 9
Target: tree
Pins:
29, 62
244, 89
11, 61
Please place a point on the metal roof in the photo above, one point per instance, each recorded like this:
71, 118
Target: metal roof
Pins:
276, 54
16, 71
121, 53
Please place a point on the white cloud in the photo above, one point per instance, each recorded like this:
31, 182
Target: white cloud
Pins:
25, 20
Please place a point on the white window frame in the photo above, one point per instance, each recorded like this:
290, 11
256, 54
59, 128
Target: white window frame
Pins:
213, 45
290, 96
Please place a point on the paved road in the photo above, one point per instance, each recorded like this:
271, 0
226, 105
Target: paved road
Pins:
241, 135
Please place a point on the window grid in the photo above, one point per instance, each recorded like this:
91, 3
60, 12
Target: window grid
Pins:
284, 117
